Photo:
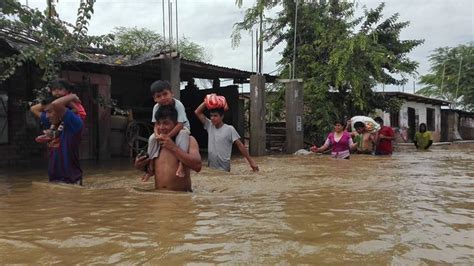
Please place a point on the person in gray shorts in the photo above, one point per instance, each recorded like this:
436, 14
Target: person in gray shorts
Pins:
220, 139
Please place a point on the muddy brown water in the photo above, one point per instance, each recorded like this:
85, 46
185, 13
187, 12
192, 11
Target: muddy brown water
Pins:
411, 208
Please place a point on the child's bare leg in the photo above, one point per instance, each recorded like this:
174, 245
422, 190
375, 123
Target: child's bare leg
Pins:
180, 171
182, 141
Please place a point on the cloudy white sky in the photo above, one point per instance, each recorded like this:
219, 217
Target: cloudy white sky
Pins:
209, 23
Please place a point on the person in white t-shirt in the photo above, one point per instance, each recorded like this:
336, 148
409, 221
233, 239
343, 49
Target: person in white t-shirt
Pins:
221, 137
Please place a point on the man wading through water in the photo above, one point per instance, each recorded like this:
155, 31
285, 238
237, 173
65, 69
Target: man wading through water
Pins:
166, 164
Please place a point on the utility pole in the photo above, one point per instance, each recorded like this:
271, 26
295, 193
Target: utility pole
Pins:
459, 77
251, 46
294, 40
170, 21
177, 36
260, 56
442, 79
164, 29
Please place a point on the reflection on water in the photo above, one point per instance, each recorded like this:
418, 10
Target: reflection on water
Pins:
412, 208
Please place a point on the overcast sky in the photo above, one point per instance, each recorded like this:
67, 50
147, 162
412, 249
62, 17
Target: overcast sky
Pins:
209, 23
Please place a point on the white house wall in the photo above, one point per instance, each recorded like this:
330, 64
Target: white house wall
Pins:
420, 113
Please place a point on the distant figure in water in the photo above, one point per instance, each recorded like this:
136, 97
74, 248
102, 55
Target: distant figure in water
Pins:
340, 142
166, 164
221, 138
423, 139
383, 139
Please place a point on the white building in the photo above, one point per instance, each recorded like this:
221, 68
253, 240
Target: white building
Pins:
415, 110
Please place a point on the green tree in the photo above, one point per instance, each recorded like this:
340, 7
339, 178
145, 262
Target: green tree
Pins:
51, 37
339, 57
135, 41
452, 76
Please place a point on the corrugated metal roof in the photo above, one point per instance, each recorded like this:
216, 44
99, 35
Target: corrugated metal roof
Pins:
414, 97
94, 56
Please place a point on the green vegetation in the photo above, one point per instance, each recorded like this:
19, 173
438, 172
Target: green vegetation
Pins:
452, 76
340, 58
135, 41
53, 38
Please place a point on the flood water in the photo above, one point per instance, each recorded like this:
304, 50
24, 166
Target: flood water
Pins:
411, 208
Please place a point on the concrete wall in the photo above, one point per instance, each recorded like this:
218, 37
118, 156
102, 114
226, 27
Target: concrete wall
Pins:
466, 126
457, 125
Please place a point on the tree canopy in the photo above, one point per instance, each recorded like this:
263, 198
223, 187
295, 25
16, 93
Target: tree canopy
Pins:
452, 76
52, 38
137, 41
340, 57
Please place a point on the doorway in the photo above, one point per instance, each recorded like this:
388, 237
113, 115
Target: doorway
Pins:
89, 148
411, 123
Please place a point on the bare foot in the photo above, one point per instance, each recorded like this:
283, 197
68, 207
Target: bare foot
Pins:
180, 172
145, 177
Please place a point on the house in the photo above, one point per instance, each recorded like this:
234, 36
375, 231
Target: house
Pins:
99, 77
457, 125
415, 109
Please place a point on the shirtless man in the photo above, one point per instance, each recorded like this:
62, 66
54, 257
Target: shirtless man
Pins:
364, 139
167, 162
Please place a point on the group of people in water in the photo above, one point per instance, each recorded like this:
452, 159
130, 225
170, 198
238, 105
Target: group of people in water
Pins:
365, 139
363, 135
172, 151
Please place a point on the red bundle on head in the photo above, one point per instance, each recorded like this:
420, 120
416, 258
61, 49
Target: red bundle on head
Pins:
214, 101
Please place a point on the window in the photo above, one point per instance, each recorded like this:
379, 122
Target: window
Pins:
3, 117
430, 119
394, 119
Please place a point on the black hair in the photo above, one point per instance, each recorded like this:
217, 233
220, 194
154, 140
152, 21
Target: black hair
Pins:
422, 124
378, 119
359, 124
166, 112
159, 86
338, 121
60, 83
47, 100
220, 111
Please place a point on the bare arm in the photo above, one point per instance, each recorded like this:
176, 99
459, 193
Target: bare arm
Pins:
200, 112
246, 154
59, 105
322, 148
37, 109
191, 158
176, 130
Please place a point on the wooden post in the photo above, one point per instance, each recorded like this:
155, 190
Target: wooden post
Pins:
294, 114
257, 115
